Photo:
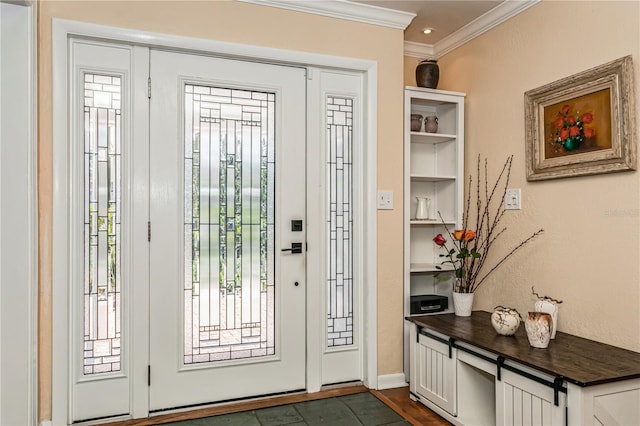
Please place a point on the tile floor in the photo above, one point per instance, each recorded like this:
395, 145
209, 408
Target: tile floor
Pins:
349, 410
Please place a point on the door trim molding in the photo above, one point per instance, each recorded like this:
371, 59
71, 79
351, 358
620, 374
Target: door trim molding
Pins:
62, 30
19, 229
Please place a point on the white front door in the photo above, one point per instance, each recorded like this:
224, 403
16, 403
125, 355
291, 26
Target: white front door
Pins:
227, 178
183, 274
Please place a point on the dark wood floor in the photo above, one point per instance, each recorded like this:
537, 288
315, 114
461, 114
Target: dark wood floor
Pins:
413, 412
397, 399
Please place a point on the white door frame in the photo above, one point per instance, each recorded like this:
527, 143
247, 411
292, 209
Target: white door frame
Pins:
62, 30
18, 214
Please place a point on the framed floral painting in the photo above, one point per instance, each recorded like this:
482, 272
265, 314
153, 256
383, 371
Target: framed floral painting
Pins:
583, 124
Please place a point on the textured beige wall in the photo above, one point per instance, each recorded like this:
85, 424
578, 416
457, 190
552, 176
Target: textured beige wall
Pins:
255, 25
589, 254
410, 64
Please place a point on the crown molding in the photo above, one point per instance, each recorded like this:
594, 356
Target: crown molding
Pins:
344, 9
506, 10
419, 50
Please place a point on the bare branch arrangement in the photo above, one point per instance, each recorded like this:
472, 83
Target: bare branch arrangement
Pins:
471, 249
551, 299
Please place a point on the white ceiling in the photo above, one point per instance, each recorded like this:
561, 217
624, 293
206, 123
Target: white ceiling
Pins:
444, 17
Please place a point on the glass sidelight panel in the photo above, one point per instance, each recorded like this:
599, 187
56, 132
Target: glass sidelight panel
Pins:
229, 186
102, 208
339, 170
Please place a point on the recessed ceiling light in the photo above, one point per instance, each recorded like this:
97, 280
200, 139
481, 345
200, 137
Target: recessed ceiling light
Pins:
427, 30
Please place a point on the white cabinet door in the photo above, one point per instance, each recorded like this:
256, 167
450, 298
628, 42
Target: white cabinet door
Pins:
433, 371
520, 401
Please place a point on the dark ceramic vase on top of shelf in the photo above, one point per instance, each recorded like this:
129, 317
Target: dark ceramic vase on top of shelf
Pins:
428, 74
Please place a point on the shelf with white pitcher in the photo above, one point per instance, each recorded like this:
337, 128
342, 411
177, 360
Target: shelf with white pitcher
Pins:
425, 178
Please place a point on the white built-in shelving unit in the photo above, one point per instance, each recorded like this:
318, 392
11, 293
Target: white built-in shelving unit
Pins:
433, 168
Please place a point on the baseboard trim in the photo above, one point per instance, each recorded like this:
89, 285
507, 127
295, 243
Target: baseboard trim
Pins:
389, 381
46, 423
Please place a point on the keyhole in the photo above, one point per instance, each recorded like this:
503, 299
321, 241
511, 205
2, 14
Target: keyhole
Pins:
296, 284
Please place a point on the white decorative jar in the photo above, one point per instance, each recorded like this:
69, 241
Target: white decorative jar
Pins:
550, 307
538, 326
505, 321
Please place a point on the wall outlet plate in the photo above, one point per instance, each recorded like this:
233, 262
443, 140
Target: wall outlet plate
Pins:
513, 199
385, 200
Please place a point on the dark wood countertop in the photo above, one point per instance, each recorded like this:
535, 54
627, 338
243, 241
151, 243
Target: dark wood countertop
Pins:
580, 361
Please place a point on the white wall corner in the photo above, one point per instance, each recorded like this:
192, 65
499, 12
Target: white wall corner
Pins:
344, 9
389, 381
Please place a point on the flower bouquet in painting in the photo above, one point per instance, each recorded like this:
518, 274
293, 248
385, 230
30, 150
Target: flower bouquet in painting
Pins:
466, 250
570, 130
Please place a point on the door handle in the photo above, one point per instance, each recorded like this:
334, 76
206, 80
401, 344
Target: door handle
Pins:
295, 248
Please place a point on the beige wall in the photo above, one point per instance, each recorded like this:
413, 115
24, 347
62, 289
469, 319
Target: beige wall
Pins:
589, 254
255, 25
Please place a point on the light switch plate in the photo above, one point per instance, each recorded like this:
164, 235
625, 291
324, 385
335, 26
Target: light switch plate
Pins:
385, 200
512, 199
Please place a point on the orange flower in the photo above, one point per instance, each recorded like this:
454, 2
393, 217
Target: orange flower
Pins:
564, 134
571, 120
469, 235
458, 234
559, 122
565, 109
587, 118
589, 133
574, 131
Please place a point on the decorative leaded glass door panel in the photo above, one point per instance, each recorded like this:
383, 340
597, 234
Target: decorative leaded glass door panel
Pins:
336, 225
107, 200
227, 304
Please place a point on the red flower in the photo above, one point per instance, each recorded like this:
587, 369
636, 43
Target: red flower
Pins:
589, 133
559, 122
564, 134
571, 120
439, 240
574, 131
469, 235
587, 118
565, 109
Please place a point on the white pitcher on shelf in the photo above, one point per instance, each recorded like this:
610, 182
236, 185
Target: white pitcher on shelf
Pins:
422, 210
